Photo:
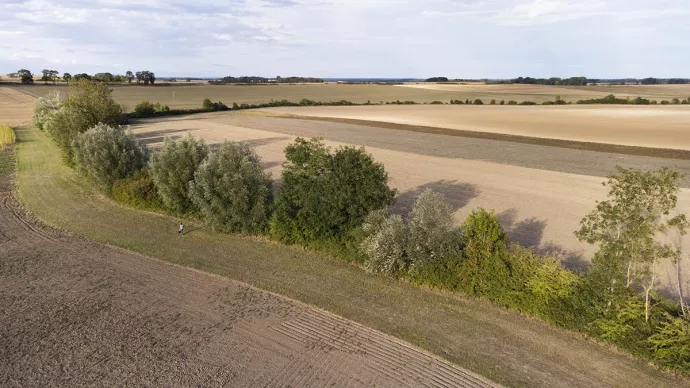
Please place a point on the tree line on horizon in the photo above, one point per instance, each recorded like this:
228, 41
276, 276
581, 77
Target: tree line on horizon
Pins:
145, 77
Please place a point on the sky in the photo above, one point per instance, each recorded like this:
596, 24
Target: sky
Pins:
353, 38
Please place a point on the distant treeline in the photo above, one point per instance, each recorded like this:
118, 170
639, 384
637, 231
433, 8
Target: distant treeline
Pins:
572, 81
264, 80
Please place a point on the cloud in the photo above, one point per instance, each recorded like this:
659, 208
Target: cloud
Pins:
357, 38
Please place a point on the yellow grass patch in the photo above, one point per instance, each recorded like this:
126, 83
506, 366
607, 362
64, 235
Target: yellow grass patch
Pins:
7, 135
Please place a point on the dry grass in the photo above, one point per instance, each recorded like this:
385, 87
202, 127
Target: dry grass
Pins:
184, 95
7, 136
496, 343
16, 106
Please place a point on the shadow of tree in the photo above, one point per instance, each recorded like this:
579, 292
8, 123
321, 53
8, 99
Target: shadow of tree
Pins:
529, 233
458, 195
260, 142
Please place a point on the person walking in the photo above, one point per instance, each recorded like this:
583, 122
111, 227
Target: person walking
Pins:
181, 231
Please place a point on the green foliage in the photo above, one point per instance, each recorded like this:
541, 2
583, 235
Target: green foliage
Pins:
209, 105
149, 109
90, 104
626, 226
512, 102
493, 101
385, 243
107, 154
432, 236
232, 191
326, 195
138, 191
478, 102
671, 343
173, 168
45, 108
503, 102
26, 76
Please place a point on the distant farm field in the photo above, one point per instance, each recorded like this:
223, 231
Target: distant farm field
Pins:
191, 95
640, 126
15, 106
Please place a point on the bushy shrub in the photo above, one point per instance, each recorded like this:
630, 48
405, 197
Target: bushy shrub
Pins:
675, 101
431, 231
138, 191
173, 167
385, 243
326, 195
45, 108
232, 191
478, 102
665, 102
207, 104
436, 102
108, 153
493, 102
528, 103
512, 102
91, 103
503, 102
671, 343
144, 109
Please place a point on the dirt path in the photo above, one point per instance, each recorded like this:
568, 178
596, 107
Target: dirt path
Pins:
15, 106
76, 313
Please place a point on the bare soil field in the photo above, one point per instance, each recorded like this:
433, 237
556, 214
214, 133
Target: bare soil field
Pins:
641, 126
184, 95
16, 107
77, 313
568, 93
539, 205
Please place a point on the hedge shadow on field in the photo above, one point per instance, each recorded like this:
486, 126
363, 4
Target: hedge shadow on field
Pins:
529, 233
159, 136
457, 194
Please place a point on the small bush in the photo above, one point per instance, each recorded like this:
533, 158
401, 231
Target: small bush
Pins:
106, 154
675, 101
503, 102
138, 191
511, 102
209, 105
653, 102
478, 102
665, 102
436, 102
173, 168
493, 102
144, 109
671, 343
232, 191
528, 103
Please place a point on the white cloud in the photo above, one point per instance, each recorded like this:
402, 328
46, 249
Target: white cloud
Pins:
226, 37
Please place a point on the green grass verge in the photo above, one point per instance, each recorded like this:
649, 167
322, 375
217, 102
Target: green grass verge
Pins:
502, 345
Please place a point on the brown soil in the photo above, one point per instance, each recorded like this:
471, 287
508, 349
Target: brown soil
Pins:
634, 126
15, 106
78, 313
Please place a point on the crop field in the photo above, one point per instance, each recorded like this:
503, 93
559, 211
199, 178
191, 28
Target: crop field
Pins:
191, 96
640, 126
539, 192
16, 106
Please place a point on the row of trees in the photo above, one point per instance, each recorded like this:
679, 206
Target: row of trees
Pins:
264, 80
146, 77
338, 201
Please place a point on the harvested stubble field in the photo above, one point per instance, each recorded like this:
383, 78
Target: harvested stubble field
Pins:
501, 345
77, 313
16, 106
638, 126
191, 96
539, 192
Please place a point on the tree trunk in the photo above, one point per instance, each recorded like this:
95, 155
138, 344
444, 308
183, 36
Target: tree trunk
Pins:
647, 302
681, 296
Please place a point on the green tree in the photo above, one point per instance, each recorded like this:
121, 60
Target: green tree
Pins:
90, 103
627, 227
173, 168
26, 76
232, 191
107, 153
671, 343
326, 195
129, 76
67, 77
